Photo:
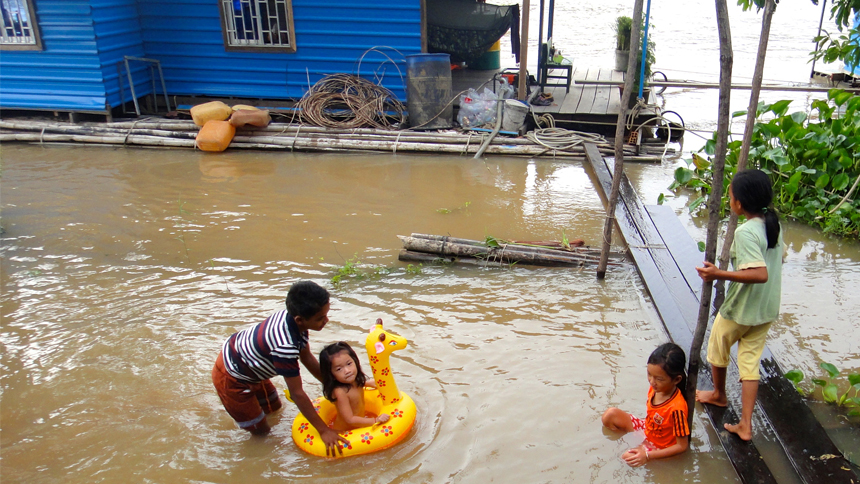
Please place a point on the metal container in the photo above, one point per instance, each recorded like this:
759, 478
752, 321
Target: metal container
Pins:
428, 91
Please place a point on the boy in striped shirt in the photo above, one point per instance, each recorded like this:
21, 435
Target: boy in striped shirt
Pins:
250, 358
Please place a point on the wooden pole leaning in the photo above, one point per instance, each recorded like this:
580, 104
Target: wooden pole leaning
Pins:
743, 156
723, 120
619, 142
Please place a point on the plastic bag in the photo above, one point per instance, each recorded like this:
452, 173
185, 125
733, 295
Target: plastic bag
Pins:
477, 109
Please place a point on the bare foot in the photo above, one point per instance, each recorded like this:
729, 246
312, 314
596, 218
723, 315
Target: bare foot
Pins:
711, 397
741, 430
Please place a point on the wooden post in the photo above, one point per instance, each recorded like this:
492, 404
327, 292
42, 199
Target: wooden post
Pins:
723, 120
743, 156
619, 141
522, 86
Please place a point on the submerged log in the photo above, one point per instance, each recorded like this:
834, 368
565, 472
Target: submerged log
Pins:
553, 247
505, 254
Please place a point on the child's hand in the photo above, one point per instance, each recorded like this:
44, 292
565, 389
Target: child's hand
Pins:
708, 273
635, 457
382, 418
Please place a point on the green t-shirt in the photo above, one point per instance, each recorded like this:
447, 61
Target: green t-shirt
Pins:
754, 304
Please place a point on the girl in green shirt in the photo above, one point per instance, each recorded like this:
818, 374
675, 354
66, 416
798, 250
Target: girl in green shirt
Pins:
753, 296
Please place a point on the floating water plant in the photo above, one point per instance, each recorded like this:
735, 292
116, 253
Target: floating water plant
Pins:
464, 206
830, 390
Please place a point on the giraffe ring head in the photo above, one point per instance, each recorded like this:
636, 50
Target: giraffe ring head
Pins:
381, 342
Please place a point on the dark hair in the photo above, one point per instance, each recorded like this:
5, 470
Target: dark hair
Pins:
671, 358
754, 191
328, 380
306, 299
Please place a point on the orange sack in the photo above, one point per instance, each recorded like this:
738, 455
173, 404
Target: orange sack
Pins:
211, 110
215, 135
253, 117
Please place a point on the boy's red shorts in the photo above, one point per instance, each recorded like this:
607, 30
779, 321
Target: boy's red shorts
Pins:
247, 403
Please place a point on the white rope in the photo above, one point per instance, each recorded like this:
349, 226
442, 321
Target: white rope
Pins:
562, 139
397, 140
299, 130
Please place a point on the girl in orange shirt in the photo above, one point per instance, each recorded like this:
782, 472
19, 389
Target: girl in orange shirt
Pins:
665, 426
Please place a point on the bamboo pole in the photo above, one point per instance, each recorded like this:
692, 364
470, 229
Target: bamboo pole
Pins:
507, 254
522, 85
318, 140
743, 156
619, 141
585, 250
712, 85
723, 120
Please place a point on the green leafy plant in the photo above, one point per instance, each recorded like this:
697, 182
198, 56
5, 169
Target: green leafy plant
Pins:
623, 27
813, 161
349, 269
462, 207
414, 269
829, 389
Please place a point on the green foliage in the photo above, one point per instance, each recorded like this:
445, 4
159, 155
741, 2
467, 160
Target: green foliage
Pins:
838, 47
349, 269
623, 27
830, 390
462, 207
414, 269
623, 31
813, 162
833, 47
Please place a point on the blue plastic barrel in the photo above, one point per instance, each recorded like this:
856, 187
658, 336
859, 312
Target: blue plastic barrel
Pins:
428, 91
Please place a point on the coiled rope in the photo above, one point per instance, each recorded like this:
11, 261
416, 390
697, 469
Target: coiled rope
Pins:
561, 139
347, 101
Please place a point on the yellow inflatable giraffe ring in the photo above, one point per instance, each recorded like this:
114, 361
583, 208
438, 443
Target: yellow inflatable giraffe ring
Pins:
387, 399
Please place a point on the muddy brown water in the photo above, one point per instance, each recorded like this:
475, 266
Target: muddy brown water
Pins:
124, 269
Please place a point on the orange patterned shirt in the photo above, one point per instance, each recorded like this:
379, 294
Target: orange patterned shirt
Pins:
666, 420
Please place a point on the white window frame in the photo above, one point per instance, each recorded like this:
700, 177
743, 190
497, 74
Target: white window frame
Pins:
258, 25
18, 27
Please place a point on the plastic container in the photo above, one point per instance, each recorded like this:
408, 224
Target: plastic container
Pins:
215, 135
514, 115
211, 110
428, 91
491, 59
253, 117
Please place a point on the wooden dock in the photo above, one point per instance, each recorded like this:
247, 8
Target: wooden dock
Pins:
586, 107
666, 258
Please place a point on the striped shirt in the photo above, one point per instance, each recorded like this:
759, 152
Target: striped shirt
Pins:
263, 351
667, 420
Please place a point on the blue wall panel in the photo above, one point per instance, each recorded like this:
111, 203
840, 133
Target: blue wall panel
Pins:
117, 27
84, 40
76, 70
330, 37
65, 74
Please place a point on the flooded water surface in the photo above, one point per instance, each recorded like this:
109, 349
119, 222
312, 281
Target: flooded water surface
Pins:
124, 270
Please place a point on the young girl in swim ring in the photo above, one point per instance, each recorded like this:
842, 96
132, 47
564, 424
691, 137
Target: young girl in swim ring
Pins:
343, 383
665, 426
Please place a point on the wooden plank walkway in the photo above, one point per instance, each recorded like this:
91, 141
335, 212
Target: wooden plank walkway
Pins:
666, 261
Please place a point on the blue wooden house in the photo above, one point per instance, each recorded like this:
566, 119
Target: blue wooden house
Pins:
71, 55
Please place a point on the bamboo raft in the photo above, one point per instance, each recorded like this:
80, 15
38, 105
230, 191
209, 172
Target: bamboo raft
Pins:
160, 132
440, 249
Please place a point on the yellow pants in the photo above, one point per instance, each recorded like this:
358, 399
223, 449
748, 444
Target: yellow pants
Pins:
750, 339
